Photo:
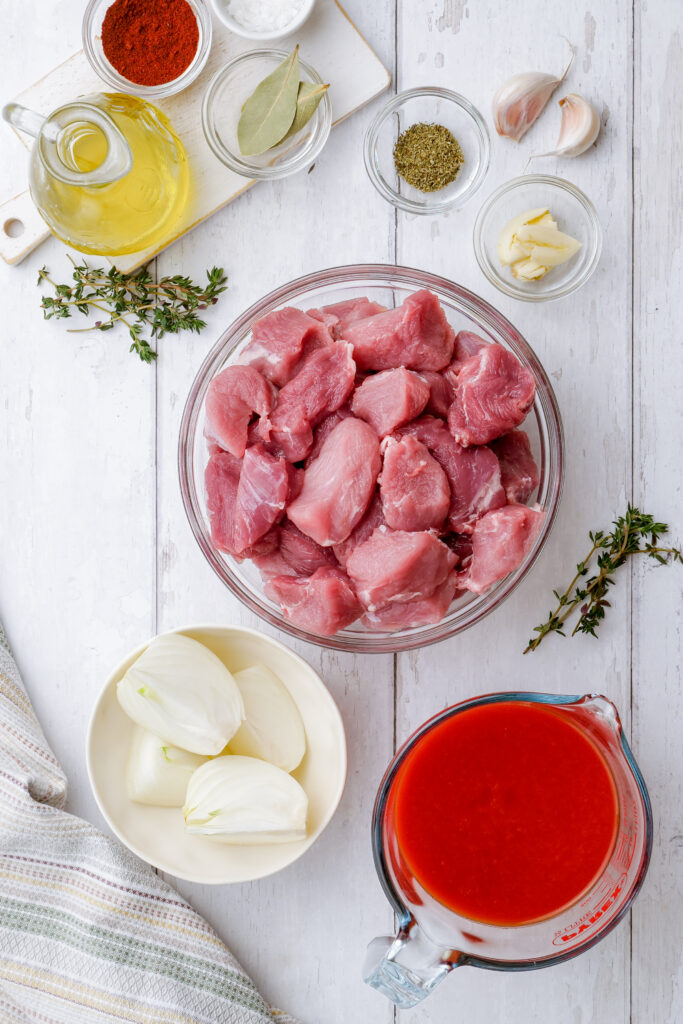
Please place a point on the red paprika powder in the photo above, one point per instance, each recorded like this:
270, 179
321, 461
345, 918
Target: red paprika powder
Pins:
150, 42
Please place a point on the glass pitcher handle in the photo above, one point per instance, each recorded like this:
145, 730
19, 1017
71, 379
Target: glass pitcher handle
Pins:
408, 967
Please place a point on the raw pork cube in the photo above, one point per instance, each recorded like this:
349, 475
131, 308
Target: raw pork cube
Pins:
441, 393
272, 564
234, 395
324, 429
322, 603
413, 486
338, 486
322, 385
494, 394
394, 566
386, 400
501, 541
373, 518
280, 340
466, 345
301, 552
473, 473
415, 335
518, 470
221, 479
261, 495
421, 612
340, 315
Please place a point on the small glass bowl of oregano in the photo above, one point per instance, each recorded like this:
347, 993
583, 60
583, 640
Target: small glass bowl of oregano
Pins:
267, 114
427, 150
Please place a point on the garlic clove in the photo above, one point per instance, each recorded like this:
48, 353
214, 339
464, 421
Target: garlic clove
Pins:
158, 773
508, 247
580, 126
520, 100
179, 690
243, 800
548, 246
273, 729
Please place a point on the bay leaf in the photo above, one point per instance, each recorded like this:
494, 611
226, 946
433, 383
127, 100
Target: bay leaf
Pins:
268, 113
308, 98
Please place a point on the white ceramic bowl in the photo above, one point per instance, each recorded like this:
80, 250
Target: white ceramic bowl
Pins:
156, 834
221, 9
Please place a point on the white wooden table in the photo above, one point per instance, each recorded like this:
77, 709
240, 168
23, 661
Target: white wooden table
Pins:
96, 554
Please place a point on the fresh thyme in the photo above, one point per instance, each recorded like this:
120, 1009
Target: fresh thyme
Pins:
634, 534
136, 300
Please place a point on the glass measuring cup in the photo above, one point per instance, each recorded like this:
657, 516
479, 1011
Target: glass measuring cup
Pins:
432, 939
107, 172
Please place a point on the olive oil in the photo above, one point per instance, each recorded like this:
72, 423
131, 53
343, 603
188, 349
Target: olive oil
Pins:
139, 210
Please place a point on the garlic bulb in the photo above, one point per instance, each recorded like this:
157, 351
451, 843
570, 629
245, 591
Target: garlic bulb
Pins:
244, 800
520, 100
273, 729
579, 129
179, 690
158, 773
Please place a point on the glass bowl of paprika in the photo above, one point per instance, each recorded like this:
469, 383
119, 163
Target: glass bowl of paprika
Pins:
149, 48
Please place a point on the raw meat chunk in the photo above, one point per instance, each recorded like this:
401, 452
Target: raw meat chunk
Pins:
466, 345
323, 383
441, 393
494, 393
296, 482
422, 612
413, 487
324, 430
339, 315
280, 340
322, 603
301, 552
234, 395
473, 473
386, 400
261, 496
394, 566
415, 335
518, 470
272, 564
221, 479
501, 541
373, 518
338, 485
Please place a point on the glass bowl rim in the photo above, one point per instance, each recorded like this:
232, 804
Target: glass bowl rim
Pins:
267, 36
105, 71
369, 643
552, 181
372, 134
241, 165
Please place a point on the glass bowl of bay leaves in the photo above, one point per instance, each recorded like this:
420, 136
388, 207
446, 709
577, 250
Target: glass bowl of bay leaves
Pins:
267, 114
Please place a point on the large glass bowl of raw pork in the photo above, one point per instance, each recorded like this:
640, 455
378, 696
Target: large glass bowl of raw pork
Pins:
371, 458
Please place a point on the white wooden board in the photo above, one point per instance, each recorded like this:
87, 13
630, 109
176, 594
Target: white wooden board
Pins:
329, 41
96, 554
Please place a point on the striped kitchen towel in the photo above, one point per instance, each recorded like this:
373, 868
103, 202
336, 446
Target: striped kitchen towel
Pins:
87, 931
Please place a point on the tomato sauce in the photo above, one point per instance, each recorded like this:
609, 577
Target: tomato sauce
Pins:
506, 813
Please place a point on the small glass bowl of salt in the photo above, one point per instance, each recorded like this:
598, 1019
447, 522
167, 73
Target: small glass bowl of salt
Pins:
263, 19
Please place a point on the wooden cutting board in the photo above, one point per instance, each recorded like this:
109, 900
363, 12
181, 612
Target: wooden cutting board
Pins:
329, 41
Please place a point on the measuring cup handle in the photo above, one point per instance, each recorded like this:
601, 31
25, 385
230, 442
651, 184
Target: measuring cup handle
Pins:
408, 967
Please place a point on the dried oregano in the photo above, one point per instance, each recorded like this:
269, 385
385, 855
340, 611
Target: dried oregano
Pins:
428, 156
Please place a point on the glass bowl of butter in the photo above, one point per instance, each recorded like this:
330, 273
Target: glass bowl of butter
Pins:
537, 238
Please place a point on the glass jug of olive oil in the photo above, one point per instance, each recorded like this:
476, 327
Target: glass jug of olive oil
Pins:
107, 172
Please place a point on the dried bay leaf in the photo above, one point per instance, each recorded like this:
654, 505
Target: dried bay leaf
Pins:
308, 98
269, 112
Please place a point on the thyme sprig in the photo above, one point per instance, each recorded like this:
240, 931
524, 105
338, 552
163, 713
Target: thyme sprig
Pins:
136, 300
636, 533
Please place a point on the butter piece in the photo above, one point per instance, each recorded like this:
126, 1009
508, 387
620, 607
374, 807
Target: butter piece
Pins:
531, 244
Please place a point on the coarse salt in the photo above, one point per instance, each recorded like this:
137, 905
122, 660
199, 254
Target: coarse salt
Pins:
264, 15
